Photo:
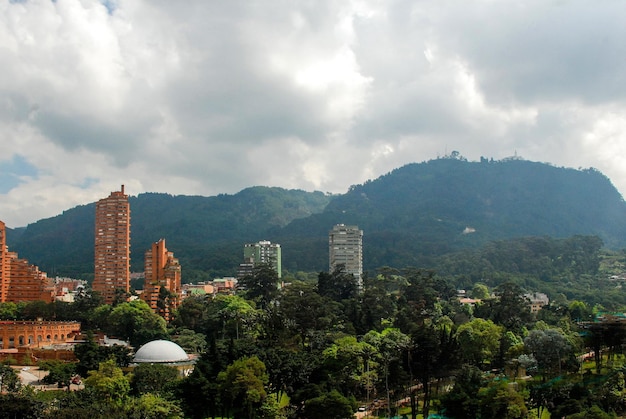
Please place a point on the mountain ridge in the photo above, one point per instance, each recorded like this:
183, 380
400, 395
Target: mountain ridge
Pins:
410, 216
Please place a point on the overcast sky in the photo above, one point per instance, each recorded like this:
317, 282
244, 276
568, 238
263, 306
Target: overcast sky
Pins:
201, 97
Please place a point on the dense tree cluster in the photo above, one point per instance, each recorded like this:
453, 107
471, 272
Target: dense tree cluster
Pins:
402, 344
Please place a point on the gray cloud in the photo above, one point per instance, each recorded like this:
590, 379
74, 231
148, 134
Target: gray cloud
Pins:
211, 97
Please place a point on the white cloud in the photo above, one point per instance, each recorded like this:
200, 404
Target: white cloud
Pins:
211, 97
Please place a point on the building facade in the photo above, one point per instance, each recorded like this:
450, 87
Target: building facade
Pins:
162, 284
14, 334
112, 246
4, 265
261, 252
19, 280
345, 248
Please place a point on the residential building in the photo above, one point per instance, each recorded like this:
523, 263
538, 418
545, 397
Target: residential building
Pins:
345, 248
19, 280
261, 252
536, 301
245, 268
225, 285
112, 246
4, 265
162, 284
199, 289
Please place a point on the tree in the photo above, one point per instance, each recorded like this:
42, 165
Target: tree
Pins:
8, 311
433, 353
153, 378
288, 369
190, 341
59, 372
307, 310
480, 340
34, 310
109, 383
480, 291
551, 349
243, 386
511, 309
90, 355
9, 380
462, 401
594, 412
84, 305
237, 313
200, 390
377, 306
22, 404
190, 313
331, 405
391, 344
262, 284
499, 400
419, 297
136, 322
346, 361
338, 285
151, 406
579, 311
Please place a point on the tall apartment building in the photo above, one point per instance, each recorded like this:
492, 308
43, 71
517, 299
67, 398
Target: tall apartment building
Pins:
19, 280
4, 265
162, 284
261, 252
345, 247
112, 246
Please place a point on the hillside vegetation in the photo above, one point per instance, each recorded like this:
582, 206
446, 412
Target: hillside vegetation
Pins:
411, 216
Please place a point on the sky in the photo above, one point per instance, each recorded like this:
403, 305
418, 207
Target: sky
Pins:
202, 97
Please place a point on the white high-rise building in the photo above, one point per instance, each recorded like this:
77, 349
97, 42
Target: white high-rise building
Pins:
345, 247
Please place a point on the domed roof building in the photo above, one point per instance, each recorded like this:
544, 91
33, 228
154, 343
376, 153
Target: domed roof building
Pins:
164, 352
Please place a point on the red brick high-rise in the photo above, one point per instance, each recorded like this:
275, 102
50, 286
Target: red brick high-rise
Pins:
112, 246
19, 280
162, 285
4, 265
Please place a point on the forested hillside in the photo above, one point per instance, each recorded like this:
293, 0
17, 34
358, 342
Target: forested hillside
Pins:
411, 216
418, 212
205, 233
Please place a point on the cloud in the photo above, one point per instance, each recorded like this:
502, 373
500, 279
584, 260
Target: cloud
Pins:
211, 97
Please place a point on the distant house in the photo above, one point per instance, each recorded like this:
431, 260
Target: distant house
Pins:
469, 301
537, 300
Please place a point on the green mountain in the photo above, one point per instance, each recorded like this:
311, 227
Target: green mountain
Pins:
410, 217
205, 233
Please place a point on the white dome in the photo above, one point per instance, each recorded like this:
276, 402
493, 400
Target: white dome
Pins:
160, 351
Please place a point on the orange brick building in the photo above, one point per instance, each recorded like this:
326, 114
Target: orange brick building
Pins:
162, 283
112, 246
19, 280
4, 264
14, 334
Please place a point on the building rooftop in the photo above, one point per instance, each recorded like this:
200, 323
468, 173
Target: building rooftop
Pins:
160, 351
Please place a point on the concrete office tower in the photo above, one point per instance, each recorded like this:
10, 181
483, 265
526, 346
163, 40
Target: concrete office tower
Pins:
19, 280
263, 252
345, 247
112, 246
162, 285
